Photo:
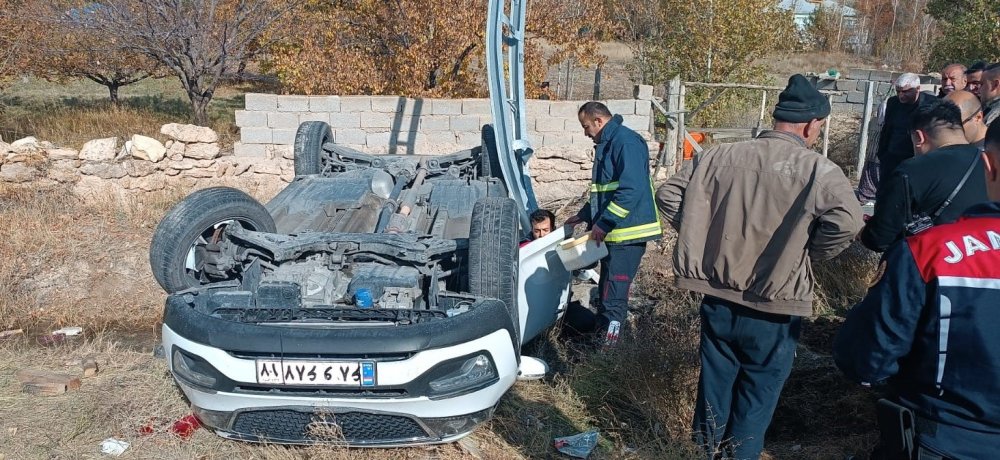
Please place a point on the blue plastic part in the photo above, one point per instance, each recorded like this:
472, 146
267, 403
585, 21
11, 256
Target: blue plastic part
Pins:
363, 298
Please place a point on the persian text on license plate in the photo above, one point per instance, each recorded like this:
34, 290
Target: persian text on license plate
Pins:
295, 372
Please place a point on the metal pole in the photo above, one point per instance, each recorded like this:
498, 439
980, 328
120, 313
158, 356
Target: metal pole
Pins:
865, 121
763, 110
826, 129
597, 83
569, 79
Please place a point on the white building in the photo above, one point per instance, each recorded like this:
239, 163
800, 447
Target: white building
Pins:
804, 9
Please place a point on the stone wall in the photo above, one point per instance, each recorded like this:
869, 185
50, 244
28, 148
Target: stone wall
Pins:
193, 157
854, 83
399, 125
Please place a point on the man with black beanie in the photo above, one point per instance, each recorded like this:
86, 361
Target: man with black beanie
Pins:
751, 217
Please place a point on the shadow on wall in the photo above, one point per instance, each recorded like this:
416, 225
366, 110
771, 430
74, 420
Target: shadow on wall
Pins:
411, 130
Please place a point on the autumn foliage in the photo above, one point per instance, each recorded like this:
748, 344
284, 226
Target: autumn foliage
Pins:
422, 48
712, 41
67, 44
14, 41
970, 31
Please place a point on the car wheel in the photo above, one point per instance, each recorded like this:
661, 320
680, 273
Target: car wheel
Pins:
493, 240
309, 140
489, 159
177, 250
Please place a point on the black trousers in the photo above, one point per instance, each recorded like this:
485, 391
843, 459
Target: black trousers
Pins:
746, 356
618, 270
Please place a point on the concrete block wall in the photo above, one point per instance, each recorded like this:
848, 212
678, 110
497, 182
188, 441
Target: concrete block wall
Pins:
854, 83
399, 125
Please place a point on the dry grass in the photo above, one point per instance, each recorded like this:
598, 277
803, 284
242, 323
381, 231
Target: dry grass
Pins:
844, 280
783, 65
132, 390
75, 112
69, 262
65, 261
72, 262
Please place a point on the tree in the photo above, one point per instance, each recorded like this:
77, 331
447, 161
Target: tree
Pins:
13, 41
898, 32
200, 41
711, 41
969, 34
66, 44
419, 47
824, 28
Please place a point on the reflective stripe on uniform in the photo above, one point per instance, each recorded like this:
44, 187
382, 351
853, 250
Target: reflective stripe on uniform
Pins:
619, 211
599, 188
631, 233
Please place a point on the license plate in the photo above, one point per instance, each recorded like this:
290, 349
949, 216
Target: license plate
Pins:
330, 373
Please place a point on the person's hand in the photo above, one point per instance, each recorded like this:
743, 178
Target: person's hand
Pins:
597, 235
574, 221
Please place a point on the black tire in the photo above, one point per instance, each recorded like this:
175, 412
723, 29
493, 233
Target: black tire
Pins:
493, 264
309, 140
191, 223
489, 160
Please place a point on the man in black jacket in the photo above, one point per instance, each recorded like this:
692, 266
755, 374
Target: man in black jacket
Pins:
918, 189
894, 145
927, 330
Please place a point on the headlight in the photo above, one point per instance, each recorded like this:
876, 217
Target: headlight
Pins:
192, 370
463, 375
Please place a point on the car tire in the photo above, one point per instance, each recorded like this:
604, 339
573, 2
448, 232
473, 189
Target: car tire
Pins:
489, 159
493, 262
308, 150
190, 223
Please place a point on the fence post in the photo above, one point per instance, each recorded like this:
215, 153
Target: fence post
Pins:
763, 111
826, 128
865, 121
597, 83
673, 96
681, 127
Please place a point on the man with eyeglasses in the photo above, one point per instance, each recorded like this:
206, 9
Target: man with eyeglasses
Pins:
972, 117
974, 77
894, 144
931, 188
989, 93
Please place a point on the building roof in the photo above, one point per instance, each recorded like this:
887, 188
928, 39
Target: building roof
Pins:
806, 7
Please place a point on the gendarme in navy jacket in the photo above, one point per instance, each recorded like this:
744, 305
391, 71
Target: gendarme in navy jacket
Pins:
621, 193
930, 328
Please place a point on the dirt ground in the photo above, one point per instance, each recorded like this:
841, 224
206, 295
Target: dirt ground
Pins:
67, 261
72, 262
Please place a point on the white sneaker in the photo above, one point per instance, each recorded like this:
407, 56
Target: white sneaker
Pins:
611, 337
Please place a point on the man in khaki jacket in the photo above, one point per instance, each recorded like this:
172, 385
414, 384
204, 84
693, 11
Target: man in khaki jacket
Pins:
751, 216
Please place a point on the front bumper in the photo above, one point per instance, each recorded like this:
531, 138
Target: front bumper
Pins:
395, 412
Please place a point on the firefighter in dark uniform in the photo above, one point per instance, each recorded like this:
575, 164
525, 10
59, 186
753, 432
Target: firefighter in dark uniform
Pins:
928, 328
620, 213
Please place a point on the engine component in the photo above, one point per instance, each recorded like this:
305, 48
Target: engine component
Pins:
318, 284
278, 294
376, 278
399, 297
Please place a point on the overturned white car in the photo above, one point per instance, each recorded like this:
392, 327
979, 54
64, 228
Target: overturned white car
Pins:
378, 300
384, 296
